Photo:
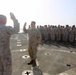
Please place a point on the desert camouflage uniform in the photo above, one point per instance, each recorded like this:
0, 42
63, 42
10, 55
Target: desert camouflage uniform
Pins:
52, 34
34, 40
42, 33
49, 33
45, 34
66, 34
5, 54
59, 34
56, 33
62, 33
72, 35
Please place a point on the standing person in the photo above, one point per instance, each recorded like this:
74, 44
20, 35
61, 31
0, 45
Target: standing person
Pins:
45, 33
72, 34
5, 34
52, 34
66, 33
49, 35
62, 33
59, 33
34, 41
42, 33
56, 32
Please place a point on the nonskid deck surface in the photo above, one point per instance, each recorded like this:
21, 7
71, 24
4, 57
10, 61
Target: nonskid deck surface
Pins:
53, 59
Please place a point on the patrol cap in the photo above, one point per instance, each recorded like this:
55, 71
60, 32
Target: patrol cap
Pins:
3, 19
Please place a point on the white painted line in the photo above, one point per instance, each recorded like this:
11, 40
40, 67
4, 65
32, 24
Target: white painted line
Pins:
67, 51
19, 45
37, 62
36, 66
72, 52
24, 49
21, 50
18, 42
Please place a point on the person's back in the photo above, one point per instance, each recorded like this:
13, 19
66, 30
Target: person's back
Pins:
5, 34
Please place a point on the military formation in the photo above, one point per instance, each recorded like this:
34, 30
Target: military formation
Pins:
58, 33
36, 35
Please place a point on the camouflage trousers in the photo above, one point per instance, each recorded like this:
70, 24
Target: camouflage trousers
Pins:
71, 38
32, 50
45, 37
5, 64
65, 37
52, 37
58, 37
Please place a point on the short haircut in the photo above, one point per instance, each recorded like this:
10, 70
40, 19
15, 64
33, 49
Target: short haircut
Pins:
3, 19
33, 22
2, 16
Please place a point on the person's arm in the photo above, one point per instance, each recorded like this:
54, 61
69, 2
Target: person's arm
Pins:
24, 28
15, 29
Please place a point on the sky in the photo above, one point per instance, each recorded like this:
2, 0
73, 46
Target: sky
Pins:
44, 12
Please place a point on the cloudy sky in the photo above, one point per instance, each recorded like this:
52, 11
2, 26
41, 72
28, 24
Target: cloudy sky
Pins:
42, 11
